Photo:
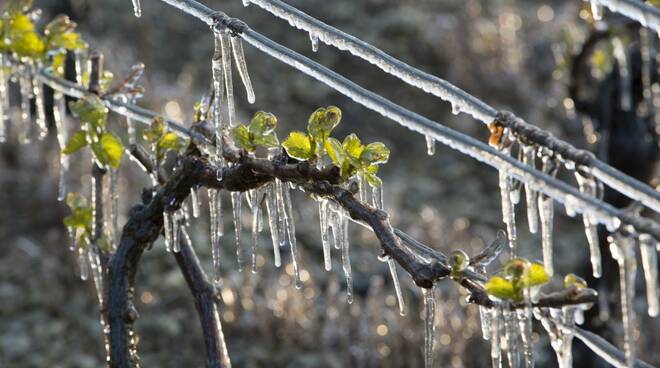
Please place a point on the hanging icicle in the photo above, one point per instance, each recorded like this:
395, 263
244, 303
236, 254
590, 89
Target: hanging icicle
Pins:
273, 221
587, 185
314, 39
345, 255
256, 225
650, 265
114, 205
4, 98
59, 117
596, 10
241, 64
40, 118
290, 226
194, 200
622, 248
529, 159
167, 229
429, 323
25, 80
430, 145
225, 43
83, 261
215, 221
546, 215
137, 8
236, 211
397, 286
325, 236
625, 82
508, 211
94, 260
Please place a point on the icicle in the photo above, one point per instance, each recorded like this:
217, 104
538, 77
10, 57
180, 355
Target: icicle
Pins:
239, 58
271, 208
218, 93
167, 229
596, 10
281, 210
236, 210
195, 201
455, 109
495, 330
429, 322
83, 262
40, 119
325, 236
114, 204
588, 186
256, 213
397, 286
226, 71
177, 217
315, 41
484, 316
246, 2
625, 86
377, 197
362, 187
94, 260
650, 265
291, 231
137, 9
508, 214
215, 221
25, 81
529, 159
623, 251
525, 317
4, 99
430, 145
59, 116
345, 256
546, 216
510, 343
80, 58
561, 340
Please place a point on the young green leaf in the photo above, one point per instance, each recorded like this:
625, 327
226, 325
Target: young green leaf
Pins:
108, 150
170, 141
375, 153
90, 110
267, 140
535, 275
155, 130
299, 146
242, 137
81, 213
353, 147
322, 121
77, 142
263, 123
501, 288
373, 180
335, 150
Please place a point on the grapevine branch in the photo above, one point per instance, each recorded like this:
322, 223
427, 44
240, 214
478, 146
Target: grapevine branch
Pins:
146, 221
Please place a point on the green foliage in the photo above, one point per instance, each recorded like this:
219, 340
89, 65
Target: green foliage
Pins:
458, 262
572, 279
18, 35
106, 147
259, 133
81, 212
161, 139
351, 156
518, 275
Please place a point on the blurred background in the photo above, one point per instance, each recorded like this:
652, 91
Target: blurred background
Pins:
515, 55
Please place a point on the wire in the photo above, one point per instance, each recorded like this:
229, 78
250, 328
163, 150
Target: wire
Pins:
461, 100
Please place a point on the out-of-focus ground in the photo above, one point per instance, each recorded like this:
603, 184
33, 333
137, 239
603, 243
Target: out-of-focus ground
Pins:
500, 51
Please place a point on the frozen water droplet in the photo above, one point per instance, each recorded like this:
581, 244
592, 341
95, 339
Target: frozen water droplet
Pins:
137, 8
430, 145
315, 41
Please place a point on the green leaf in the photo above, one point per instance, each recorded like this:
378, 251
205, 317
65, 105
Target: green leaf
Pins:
243, 138
375, 153
373, 180
322, 121
263, 123
155, 130
90, 110
60, 35
574, 280
299, 146
77, 142
268, 140
170, 141
501, 288
335, 150
75, 200
535, 275
352, 146
20, 35
108, 150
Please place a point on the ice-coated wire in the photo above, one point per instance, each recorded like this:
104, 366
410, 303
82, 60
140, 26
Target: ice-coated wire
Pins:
461, 100
552, 187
